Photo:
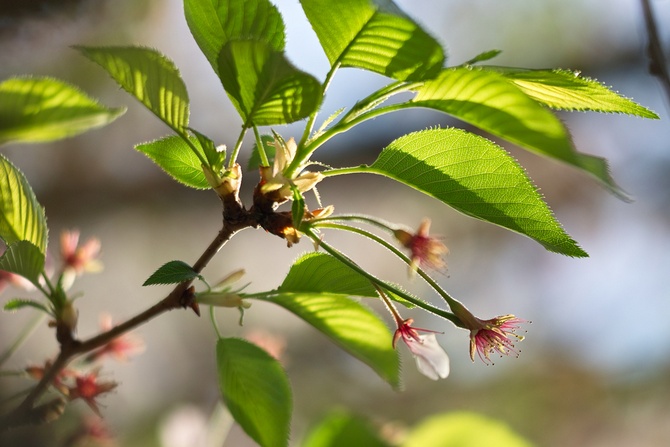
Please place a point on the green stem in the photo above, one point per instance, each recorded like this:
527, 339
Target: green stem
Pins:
422, 273
22, 337
236, 149
350, 120
357, 218
312, 118
261, 149
345, 260
212, 317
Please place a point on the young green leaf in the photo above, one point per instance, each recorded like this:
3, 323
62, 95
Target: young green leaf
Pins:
21, 216
374, 35
214, 23
215, 157
45, 109
317, 289
25, 259
462, 429
489, 101
476, 177
485, 56
340, 429
18, 303
150, 77
177, 158
256, 390
566, 90
264, 86
172, 272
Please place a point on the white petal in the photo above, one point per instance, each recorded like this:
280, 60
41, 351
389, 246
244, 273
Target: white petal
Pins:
431, 360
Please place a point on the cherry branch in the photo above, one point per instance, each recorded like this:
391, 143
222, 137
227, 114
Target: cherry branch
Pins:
235, 218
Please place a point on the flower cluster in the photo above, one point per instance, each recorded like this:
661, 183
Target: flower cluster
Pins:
275, 181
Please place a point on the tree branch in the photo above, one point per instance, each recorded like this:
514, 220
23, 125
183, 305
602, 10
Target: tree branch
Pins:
658, 65
179, 297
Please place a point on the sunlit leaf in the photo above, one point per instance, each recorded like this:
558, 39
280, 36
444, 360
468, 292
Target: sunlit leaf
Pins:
317, 289
21, 216
340, 429
264, 86
463, 429
19, 303
374, 35
150, 77
177, 158
214, 23
322, 273
173, 272
255, 390
489, 101
45, 109
476, 177
567, 90
25, 259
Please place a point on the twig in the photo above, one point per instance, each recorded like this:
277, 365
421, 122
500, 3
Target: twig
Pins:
24, 413
658, 65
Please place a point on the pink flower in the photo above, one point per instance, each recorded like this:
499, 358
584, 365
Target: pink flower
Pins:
495, 335
489, 336
121, 348
88, 388
77, 260
12, 279
426, 251
431, 360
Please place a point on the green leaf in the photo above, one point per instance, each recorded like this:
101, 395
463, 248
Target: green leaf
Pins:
19, 303
317, 288
25, 259
21, 216
173, 272
322, 273
256, 391
177, 158
463, 429
264, 86
489, 101
567, 90
214, 23
45, 109
342, 429
374, 35
476, 177
150, 77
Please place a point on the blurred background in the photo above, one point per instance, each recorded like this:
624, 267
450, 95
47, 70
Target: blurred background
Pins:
594, 367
